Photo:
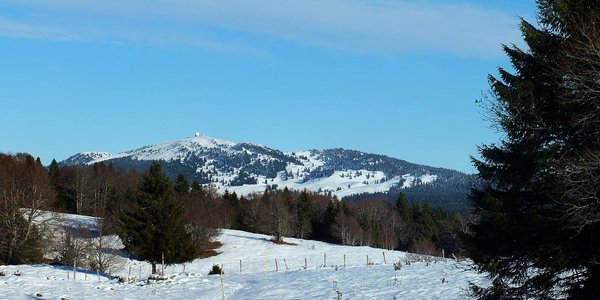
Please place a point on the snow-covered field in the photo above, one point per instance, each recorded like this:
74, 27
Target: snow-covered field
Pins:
255, 268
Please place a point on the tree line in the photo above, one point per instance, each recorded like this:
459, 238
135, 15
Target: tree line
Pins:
160, 219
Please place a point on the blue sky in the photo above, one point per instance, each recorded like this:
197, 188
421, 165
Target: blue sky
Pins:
390, 77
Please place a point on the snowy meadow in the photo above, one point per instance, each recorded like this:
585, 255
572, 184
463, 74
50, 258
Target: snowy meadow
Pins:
253, 268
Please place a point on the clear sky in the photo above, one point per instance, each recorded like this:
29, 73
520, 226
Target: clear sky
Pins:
398, 78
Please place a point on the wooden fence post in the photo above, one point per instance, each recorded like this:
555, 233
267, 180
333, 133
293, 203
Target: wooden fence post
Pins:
222, 288
163, 264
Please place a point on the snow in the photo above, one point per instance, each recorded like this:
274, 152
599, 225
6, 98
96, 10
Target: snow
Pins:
259, 277
172, 150
64, 220
428, 178
97, 155
346, 181
351, 183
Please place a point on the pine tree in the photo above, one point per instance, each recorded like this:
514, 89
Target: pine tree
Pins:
155, 226
403, 208
181, 185
54, 172
524, 237
197, 190
304, 215
425, 225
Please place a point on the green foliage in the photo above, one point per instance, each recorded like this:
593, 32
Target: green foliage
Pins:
54, 172
305, 213
403, 207
426, 226
155, 227
181, 184
538, 233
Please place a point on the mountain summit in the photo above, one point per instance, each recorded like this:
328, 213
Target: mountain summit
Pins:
248, 168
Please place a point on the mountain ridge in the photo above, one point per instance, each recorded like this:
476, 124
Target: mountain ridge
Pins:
247, 167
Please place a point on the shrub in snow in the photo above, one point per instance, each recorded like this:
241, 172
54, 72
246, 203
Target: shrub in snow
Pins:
71, 249
104, 254
216, 269
397, 266
2, 273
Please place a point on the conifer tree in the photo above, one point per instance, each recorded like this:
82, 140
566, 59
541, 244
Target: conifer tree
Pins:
181, 185
304, 215
403, 208
425, 224
155, 226
54, 171
525, 237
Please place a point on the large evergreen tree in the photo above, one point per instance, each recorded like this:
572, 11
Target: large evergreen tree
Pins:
536, 236
154, 228
403, 208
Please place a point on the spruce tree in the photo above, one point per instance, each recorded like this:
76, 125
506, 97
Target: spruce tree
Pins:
54, 171
524, 237
154, 228
181, 185
403, 208
304, 215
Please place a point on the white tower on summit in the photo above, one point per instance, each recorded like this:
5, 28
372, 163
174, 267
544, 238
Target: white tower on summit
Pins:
197, 134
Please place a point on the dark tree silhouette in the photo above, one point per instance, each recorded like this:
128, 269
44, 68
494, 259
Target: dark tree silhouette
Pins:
154, 227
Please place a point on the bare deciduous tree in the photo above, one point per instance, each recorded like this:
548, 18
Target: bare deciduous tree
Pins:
347, 230
25, 191
104, 253
280, 219
578, 166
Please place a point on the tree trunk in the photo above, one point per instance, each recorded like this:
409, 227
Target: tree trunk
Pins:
153, 267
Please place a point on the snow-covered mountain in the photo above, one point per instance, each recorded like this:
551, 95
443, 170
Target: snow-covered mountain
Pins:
85, 158
247, 168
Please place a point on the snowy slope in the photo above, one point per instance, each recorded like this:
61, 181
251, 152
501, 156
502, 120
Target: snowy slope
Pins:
250, 168
174, 150
86, 158
268, 271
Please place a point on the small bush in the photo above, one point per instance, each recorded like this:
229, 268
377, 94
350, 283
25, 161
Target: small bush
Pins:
397, 266
216, 269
